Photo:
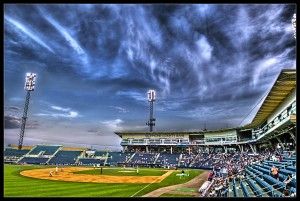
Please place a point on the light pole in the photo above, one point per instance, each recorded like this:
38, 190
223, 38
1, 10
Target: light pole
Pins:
151, 99
29, 86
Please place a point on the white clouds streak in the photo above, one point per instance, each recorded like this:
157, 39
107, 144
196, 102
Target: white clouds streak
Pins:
113, 125
135, 95
67, 113
119, 109
67, 36
60, 108
27, 32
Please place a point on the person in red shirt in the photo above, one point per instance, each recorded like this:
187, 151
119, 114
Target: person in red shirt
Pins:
210, 175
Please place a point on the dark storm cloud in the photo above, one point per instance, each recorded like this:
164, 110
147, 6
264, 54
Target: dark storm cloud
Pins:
11, 122
206, 62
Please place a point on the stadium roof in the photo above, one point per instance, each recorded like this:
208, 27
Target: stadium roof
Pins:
283, 86
173, 132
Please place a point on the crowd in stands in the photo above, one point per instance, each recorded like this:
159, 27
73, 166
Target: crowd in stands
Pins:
231, 167
143, 158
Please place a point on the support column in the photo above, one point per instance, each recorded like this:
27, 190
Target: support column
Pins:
225, 148
239, 146
280, 142
253, 148
171, 150
189, 150
293, 136
147, 150
242, 148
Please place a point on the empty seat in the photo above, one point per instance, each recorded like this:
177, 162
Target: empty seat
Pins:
257, 191
33, 160
15, 152
48, 150
65, 157
274, 182
117, 157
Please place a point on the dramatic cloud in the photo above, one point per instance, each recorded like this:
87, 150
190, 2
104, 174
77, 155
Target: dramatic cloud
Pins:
67, 113
11, 122
113, 124
29, 33
209, 64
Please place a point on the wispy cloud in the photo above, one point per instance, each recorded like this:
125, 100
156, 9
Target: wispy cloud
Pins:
67, 36
60, 108
67, 113
26, 31
113, 125
119, 109
134, 95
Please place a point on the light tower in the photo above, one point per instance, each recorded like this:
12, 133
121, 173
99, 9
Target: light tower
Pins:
29, 86
151, 99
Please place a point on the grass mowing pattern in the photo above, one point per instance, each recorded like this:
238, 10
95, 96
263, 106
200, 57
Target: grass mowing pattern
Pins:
16, 185
115, 172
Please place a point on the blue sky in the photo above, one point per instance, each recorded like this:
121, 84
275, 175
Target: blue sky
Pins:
210, 64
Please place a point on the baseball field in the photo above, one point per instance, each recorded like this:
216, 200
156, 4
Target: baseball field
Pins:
36, 181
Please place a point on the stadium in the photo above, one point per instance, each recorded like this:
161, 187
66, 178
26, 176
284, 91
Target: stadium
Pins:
240, 158
95, 73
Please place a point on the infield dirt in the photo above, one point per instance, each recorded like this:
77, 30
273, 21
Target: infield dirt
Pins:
68, 175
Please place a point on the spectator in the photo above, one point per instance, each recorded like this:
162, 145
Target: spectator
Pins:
210, 175
288, 182
286, 193
274, 172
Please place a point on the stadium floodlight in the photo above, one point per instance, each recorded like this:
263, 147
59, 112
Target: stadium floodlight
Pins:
294, 24
30, 81
151, 98
29, 86
151, 95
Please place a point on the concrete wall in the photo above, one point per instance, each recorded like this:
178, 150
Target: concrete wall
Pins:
230, 133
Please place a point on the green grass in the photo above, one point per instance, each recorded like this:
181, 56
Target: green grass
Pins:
175, 195
116, 172
16, 185
170, 180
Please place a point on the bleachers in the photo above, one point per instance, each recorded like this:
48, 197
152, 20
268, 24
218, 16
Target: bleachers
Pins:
168, 159
264, 185
47, 149
202, 161
33, 160
143, 158
274, 182
117, 157
246, 189
186, 160
259, 182
100, 153
15, 152
257, 191
65, 157
90, 161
